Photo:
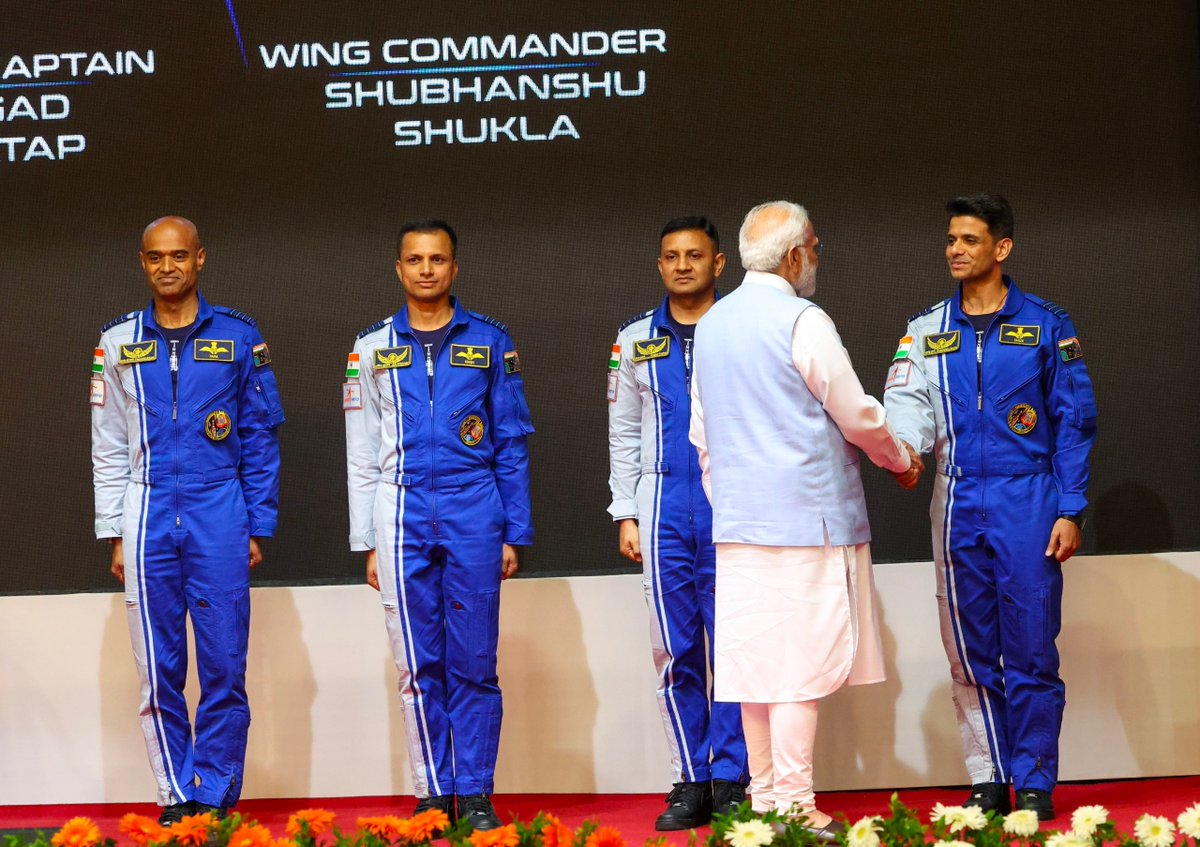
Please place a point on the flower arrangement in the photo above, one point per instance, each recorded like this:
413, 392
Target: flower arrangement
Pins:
949, 826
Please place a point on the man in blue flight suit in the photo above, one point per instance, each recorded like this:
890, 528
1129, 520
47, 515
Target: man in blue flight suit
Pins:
186, 468
665, 523
1012, 417
436, 423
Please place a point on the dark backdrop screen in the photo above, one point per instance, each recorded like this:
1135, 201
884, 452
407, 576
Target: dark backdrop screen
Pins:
558, 138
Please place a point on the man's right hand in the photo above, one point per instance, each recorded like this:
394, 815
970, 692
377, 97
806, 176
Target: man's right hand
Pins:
118, 560
630, 540
372, 570
908, 479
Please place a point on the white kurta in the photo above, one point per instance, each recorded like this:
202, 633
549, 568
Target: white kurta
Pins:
796, 623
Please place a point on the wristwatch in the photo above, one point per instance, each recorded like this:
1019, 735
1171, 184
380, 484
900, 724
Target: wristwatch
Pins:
1078, 520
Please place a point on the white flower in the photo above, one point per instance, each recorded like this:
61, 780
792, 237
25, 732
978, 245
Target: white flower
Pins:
1087, 819
1154, 831
1068, 839
959, 818
865, 833
1189, 821
753, 833
1023, 822
952, 844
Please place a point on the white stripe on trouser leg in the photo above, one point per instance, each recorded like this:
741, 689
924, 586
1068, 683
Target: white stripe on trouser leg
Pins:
756, 729
413, 720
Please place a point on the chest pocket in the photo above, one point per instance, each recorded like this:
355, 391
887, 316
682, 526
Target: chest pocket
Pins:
128, 383
641, 372
1020, 386
939, 382
227, 383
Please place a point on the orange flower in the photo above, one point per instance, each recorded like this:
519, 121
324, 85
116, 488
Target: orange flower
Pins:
554, 834
142, 829
192, 830
505, 836
319, 822
425, 826
77, 832
251, 835
284, 842
605, 836
385, 827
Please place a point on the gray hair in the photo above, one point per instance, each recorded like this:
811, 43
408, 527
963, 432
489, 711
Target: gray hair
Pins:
765, 250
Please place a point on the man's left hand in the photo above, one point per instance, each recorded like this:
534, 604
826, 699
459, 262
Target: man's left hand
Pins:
508, 561
255, 553
1064, 539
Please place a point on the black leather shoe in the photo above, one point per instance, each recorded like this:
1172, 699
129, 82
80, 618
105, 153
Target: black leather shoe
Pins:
219, 813
727, 796
477, 810
1036, 801
175, 813
689, 806
828, 834
990, 797
444, 803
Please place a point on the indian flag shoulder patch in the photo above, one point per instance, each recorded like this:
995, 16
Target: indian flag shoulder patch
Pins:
614, 361
98, 361
352, 366
903, 349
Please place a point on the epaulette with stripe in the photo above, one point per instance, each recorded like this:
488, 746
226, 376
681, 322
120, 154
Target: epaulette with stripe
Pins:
635, 319
377, 325
234, 313
488, 320
1053, 308
923, 312
119, 320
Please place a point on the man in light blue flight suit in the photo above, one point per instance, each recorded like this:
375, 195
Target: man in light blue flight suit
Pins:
993, 379
665, 523
436, 423
186, 468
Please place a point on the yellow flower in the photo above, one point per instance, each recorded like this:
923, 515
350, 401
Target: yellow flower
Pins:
1087, 819
142, 829
1189, 821
753, 833
1154, 831
319, 822
1022, 823
77, 832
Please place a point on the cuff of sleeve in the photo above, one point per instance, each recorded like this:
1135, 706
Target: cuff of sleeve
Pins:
261, 528
1071, 504
108, 529
622, 509
359, 543
518, 537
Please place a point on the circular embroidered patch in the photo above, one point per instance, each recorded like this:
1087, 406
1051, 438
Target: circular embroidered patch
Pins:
217, 425
471, 431
1022, 419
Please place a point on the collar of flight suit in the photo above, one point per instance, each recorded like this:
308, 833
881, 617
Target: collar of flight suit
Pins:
661, 319
460, 316
1012, 303
203, 314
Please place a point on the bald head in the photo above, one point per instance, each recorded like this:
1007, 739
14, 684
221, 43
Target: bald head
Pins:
172, 257
769, 231
181, 225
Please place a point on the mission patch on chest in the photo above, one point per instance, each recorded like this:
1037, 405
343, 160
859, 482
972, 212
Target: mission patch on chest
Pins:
651, 348
1024, 336
940, 343
392, 357
470, 356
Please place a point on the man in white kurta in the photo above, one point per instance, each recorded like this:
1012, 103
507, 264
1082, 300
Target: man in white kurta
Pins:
778, 418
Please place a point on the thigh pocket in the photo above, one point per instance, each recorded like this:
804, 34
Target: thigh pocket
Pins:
473, 630
221, 621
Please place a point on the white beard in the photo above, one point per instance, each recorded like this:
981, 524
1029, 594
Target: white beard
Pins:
806, 286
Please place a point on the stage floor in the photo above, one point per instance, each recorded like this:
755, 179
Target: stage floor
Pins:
634, 814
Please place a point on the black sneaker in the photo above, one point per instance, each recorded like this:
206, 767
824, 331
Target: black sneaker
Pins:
175, 813
990, 797
1036, 801
727, 796
689, 806
219, 813
477, 810
444, 803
